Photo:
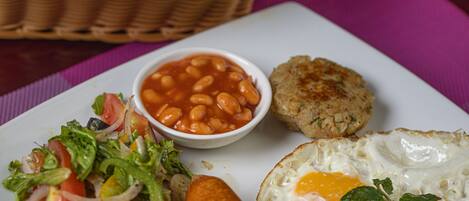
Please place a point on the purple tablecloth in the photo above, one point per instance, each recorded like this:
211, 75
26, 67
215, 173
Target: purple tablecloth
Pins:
429, 37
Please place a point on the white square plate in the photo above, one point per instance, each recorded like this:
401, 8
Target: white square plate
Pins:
266, 38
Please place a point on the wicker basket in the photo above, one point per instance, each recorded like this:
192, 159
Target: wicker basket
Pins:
115, 21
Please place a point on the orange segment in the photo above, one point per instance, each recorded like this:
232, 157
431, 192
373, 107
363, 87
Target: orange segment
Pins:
331, 186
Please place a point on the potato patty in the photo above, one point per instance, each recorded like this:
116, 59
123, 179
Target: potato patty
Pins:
320, 98
208, 188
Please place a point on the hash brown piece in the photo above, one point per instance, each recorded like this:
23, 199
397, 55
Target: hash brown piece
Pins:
320, 98
208, 188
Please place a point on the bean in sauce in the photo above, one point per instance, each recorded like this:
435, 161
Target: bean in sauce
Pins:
201, 94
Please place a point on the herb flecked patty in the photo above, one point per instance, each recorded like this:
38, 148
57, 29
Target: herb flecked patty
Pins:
320, 98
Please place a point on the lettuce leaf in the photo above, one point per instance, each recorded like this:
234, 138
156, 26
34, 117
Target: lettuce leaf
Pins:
50, 161
21, 183
81, 145
154, 187
170, 159
98, 105
14, 166
161, 157
108, 149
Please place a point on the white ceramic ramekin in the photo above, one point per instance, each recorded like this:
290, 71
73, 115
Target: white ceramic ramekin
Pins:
205, 141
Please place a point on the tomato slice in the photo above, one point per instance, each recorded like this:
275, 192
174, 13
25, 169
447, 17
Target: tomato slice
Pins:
72, 184
139, 123
112, 109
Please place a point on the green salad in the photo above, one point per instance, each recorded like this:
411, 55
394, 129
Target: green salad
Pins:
113, 157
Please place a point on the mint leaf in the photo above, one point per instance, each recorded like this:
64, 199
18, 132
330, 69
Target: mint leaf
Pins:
364, 193
424, 197
385, 184
98, 105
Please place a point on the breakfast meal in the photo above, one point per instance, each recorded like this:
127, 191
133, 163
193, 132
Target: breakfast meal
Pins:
114, 157
407, 163
200, 94
319, 97
127, 152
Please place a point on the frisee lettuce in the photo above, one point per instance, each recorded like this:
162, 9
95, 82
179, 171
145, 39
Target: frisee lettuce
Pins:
170, 159
80, 143
108, 149
156, 165
162, 158
50, 161
14, 166
154, 186
21, 183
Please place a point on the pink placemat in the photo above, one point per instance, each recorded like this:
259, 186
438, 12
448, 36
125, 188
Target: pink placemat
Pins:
429, 37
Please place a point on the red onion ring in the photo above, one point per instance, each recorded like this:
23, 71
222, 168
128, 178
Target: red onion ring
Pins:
103, 134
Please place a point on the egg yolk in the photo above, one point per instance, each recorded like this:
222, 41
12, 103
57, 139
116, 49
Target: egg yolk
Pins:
331, 186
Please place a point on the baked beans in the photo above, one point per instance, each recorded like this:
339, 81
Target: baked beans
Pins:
201, 94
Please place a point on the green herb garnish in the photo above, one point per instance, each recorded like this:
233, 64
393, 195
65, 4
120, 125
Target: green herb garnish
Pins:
424, 197
364, 193
381, 191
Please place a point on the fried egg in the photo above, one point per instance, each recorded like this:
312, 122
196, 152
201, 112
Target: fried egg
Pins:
417, 162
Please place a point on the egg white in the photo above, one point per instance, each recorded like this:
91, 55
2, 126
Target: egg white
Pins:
417, 162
